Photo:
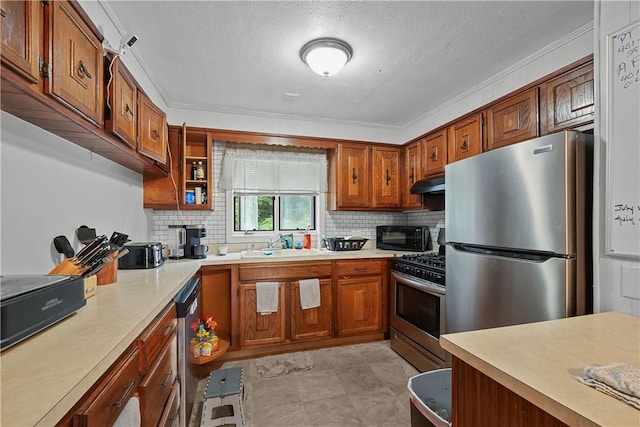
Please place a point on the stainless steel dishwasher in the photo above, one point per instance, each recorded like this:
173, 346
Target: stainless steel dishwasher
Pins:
187, 302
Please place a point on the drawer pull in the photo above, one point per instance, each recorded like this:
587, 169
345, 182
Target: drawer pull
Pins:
354, 176
361, 269
82, 71
167, 378
126, 394
167, 331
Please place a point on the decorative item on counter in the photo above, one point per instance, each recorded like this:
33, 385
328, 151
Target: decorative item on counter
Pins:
205, 342
200, 171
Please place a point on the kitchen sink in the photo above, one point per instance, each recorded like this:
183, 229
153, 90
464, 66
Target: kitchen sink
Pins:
282, 253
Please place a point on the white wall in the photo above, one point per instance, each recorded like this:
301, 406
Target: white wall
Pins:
617, 280
51, 187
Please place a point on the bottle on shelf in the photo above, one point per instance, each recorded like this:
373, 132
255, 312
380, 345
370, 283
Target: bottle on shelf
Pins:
194, 171
200, 170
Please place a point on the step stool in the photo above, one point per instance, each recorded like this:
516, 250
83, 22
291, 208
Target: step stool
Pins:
223, 399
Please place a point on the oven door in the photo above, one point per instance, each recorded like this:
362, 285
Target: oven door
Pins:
418, 311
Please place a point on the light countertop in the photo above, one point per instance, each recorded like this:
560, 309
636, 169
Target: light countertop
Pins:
45, 375
538, 361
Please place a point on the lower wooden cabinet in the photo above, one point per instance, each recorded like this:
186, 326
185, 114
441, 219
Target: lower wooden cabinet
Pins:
111, 394
257, 328
157, 385
311, 323
171, 415
359, 297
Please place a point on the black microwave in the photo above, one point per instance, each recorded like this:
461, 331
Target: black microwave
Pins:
415, 238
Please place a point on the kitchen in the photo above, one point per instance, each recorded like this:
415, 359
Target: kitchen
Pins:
48, 167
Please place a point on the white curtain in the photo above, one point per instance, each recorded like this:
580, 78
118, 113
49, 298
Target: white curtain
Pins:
274, 169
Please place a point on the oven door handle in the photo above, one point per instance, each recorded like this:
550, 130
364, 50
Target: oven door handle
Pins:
417, 285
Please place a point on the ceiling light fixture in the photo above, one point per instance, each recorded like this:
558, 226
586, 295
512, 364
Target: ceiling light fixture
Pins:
326, 56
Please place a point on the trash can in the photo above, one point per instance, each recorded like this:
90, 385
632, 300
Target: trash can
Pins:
430, 395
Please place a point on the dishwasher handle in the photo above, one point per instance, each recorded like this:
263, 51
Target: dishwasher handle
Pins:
187, 295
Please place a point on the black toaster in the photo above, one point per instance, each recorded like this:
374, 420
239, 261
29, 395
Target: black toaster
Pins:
142, 255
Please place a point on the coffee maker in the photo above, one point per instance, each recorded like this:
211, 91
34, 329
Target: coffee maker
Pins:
194, 248
176, 241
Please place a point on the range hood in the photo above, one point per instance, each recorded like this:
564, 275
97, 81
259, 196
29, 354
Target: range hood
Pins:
428, 186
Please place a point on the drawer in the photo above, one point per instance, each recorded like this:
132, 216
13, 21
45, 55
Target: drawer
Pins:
288, 271
171, 415
359, 268
156, 387
111, 394
154, 337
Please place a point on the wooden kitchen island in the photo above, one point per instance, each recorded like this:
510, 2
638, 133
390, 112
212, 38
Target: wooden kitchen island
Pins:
524, 375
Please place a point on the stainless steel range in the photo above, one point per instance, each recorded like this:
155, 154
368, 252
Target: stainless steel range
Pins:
417, 309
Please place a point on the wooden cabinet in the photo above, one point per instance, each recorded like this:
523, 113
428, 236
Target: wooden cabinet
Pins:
365, 177
75, 59
152, 340
513, 120
359, 297
352, 176
21, 33
103, 405
186, 145
156, 387
152, 131
412, 173
386, 177
465, 138
257, 328
567, 101
434, 153
311, 323
121, 116
290, 322
171, 415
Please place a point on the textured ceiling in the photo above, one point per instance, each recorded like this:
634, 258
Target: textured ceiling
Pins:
409, 57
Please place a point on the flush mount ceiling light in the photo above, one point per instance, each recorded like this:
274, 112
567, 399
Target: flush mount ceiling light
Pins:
326, 56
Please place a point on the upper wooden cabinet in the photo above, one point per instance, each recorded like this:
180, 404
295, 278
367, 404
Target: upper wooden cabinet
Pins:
152, 132
513, 120
187, 145
412, 173
352, 175
567, 101
386, 177
74, 56
122, 104
465, 138
434, 153
20, 29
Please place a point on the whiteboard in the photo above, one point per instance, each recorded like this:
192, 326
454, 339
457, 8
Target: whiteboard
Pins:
622, 75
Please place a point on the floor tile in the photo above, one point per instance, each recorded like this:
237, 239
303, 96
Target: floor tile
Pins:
286, 415
357, 378
273, 393
333, 412
316, 385
377, 407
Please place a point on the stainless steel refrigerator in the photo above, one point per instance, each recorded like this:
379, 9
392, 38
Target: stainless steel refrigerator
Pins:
518, 224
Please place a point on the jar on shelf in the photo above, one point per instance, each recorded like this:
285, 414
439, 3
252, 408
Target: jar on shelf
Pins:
200, 170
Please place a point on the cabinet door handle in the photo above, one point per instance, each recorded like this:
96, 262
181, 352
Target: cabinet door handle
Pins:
124, 397
156, 135
354, 176
128, 109
166, 331
387, 178
166, 379
465, 144
3, 13
411, 175
82, 71
434, 154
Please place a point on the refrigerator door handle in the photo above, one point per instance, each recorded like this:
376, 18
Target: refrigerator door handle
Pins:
534, 256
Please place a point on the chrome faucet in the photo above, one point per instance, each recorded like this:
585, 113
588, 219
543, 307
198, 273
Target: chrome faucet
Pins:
271, 244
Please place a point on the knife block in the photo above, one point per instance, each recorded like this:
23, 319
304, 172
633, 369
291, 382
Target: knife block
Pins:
108, 274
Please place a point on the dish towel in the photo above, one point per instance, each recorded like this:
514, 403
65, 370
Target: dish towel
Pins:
618, 380
266, 297
309, 293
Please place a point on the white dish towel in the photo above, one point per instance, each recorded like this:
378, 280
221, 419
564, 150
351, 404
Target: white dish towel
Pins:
266, 297
309, 293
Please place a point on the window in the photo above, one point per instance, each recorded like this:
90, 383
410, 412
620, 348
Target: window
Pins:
273, 213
